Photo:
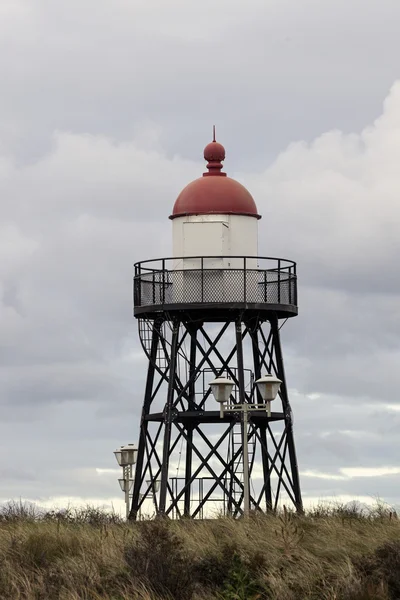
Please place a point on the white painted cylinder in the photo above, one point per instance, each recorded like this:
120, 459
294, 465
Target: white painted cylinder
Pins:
214, 235
222, 240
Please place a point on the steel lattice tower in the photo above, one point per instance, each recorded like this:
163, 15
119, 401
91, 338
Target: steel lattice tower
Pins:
214, 309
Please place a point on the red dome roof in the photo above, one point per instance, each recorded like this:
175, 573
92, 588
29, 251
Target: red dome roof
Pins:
214, 192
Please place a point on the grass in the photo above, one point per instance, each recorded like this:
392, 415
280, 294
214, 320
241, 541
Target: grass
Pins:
335, 553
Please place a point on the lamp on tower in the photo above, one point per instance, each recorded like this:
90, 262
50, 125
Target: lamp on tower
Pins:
221, 389
268, 386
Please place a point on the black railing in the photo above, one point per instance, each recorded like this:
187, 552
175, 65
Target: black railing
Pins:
215, 280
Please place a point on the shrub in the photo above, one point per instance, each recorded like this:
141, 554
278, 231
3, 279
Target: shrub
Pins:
211, 569
382, 568
240, 583
159, 560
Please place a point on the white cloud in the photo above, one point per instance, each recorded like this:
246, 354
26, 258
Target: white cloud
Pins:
352, 472
339, 196
318, 475
370, 472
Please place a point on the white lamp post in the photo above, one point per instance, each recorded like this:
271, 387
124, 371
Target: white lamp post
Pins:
268, 387
222, 389
126, 458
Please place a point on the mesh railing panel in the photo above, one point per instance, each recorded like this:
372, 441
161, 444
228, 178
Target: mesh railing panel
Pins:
196, 286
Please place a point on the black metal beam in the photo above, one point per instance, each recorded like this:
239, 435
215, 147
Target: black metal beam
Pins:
213, 416
213, 312
154, 454
191, 406
262, 427
168, 419
204, 464
225, 362
143, 427
228, 468
288, 415
198, 368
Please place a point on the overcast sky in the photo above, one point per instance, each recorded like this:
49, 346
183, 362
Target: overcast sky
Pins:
105, 108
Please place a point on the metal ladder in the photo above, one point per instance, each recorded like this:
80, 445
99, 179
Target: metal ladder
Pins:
236, 488
146, 335
161, 358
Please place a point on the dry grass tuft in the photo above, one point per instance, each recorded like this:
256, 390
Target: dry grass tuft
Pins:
336, 553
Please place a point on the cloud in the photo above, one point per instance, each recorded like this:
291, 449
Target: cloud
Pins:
333, 206
340, 195
111, 65
102, 123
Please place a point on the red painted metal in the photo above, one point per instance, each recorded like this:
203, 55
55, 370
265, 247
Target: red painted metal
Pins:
215, 192
214, 154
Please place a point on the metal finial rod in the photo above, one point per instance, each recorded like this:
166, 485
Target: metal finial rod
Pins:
214, 140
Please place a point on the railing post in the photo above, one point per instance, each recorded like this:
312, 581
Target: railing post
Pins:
135, 288
202, 279
140, 285
265, 285
154, 288
163, 281
279, 280
245, 279
290, 284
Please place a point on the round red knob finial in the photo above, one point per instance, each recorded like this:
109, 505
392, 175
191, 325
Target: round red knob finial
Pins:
214, 154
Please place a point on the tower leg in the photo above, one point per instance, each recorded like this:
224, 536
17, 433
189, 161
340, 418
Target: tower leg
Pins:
245, 433
144, 424
288, 415
188, 471
263, 426
192, 406
168, 416
266, 467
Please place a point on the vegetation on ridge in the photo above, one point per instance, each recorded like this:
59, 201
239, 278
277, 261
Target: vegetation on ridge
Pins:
336, 553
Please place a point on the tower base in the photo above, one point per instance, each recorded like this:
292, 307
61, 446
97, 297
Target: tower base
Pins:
190, 460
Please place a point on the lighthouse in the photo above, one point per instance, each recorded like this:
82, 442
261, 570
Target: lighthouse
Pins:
216, 429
